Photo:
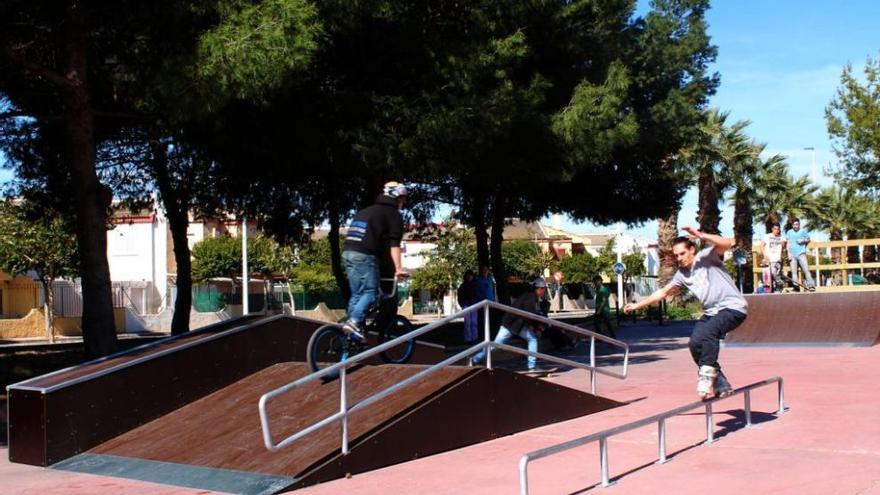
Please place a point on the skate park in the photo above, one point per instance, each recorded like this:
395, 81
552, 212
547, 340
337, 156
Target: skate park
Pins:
459, 429
200, 203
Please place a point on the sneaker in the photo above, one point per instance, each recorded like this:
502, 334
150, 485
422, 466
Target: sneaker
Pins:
706, 382
722, 386
354, 329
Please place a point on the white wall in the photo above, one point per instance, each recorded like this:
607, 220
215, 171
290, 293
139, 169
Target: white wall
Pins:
130, 249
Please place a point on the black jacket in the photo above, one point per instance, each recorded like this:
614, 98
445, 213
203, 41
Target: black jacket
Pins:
375, 229
526, 302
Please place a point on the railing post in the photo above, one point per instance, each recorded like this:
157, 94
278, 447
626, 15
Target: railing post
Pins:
593, 376
781, 397
343, 408
710, 425
748, 405
661, 441
524, 475
488, 331
603, 456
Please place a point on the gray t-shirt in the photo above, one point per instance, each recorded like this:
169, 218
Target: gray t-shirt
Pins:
710, 284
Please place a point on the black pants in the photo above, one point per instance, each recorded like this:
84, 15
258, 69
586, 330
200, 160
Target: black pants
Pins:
600, 320
708, 331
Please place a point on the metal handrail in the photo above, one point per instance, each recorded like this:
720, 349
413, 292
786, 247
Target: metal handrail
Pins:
345, 410
660, 419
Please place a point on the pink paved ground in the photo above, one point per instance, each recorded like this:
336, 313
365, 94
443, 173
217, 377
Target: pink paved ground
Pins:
827, 443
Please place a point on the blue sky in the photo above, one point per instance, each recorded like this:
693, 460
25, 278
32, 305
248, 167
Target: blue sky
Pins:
780, 64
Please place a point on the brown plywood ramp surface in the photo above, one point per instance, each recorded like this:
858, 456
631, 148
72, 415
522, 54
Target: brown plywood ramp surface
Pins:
819, 318
454, 407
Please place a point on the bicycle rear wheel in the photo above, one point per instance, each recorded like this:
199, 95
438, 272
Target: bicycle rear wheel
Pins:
400, 353
327, 346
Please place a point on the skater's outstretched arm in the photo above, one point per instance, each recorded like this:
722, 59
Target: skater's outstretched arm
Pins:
722, 244
670, 289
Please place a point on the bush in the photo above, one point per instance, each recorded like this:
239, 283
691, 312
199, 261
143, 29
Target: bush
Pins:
686, 312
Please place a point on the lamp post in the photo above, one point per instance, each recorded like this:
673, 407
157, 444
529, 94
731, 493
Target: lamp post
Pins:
813, 170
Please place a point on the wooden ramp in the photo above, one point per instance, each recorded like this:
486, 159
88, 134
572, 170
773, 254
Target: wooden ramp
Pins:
220, 433
820, 318
59, 415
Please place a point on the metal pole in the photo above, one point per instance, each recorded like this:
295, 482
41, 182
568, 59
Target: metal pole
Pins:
603, 456
748, 405
523, 475
343, 408
710, 425
245, 279
781, 398
661, 441
593, 376
488, 331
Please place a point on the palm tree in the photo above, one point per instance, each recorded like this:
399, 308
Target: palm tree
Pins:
843, 212
743, 170
706, 163
778, 192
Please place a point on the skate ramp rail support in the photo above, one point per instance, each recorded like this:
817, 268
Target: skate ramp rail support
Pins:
342, 367
660, 420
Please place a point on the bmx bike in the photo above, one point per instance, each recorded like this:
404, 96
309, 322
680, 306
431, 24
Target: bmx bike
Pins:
331, 343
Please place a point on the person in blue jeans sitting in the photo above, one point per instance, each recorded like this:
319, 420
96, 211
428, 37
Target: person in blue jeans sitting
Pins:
374, 235
517, 325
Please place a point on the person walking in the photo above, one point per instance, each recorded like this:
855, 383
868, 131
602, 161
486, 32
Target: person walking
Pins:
724, 308
602, 316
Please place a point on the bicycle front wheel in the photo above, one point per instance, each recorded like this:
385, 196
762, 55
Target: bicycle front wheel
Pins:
327, 346
400, 353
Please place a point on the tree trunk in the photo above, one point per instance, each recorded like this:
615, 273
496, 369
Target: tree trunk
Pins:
92, 199
499, 208
177, 211
742, 228
708, 216
478, 221
667, 228
335, 254
49, 306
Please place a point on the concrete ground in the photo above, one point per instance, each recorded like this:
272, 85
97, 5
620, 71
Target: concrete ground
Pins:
828, 442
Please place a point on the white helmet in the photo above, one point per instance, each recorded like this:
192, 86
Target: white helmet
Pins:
394, 189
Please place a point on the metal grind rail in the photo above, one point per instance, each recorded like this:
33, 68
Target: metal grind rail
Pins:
345, 410
659, 419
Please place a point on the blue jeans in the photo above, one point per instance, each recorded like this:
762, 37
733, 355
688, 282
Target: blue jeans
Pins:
801, 260
504, 336
363, 279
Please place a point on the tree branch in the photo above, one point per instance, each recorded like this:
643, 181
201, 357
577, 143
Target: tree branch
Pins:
35, 71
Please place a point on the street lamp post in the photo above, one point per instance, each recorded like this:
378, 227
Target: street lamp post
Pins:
813, 170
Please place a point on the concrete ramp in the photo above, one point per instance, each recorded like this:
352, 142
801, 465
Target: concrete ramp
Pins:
817, 318
204, 444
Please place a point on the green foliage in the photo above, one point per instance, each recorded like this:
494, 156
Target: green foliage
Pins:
634, 262
431, 277
258, 44
687, 311
522, 259
853, 121
221, 257
579, 268
312, 271
30, 240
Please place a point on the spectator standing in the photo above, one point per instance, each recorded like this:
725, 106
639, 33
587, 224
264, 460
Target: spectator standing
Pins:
797, 240
771, 248
467, 295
